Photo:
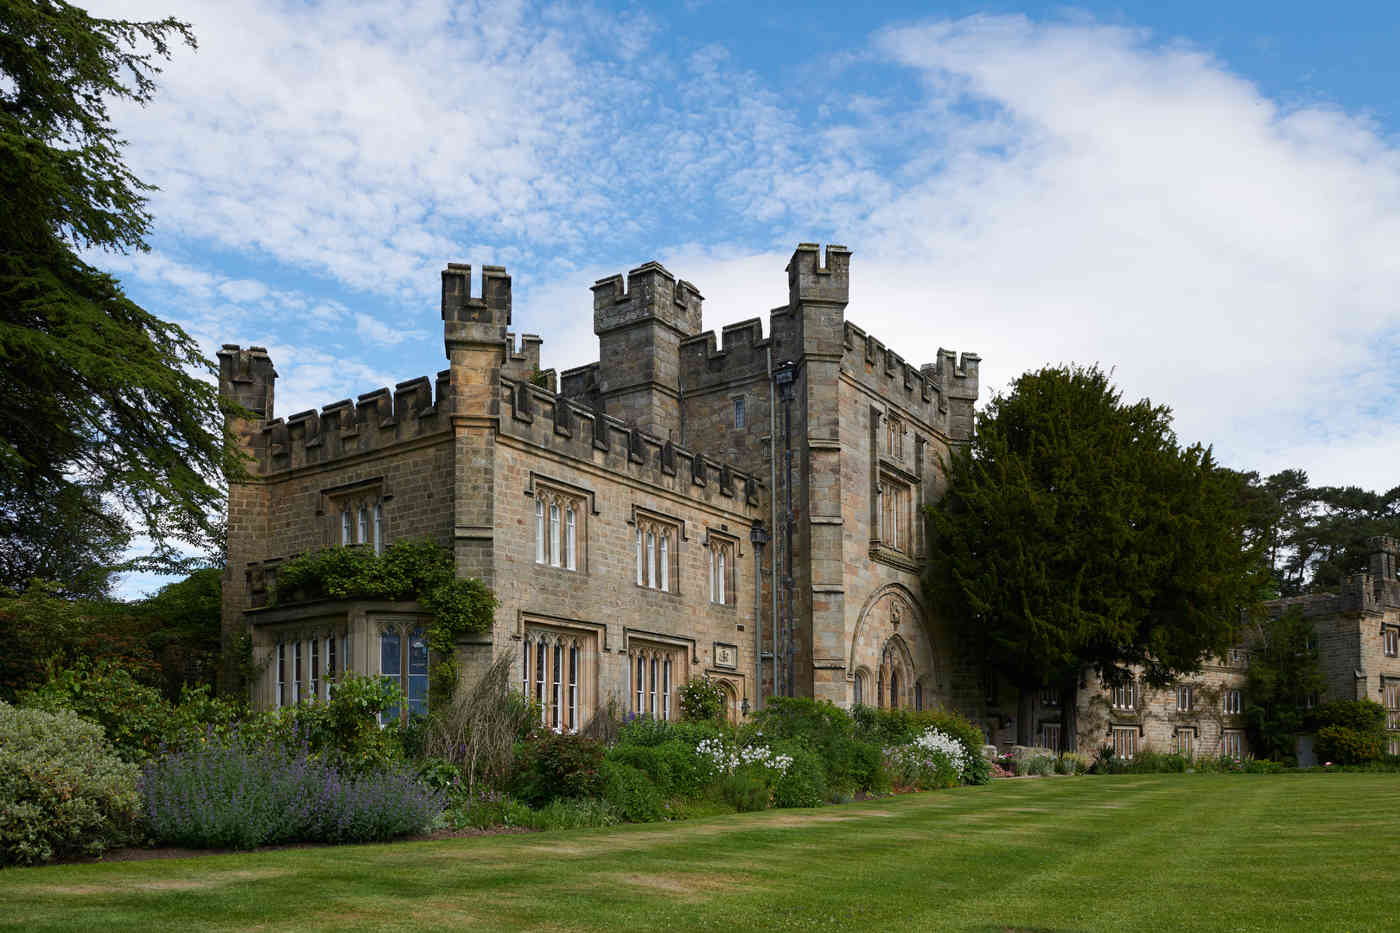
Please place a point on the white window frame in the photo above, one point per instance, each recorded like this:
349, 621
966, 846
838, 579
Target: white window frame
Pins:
1124, 696
347, 536
1125, 739
1232, 744
283, 696
1234, 701
1184, 698
1184, 741
570, 538
541, 535
378, 528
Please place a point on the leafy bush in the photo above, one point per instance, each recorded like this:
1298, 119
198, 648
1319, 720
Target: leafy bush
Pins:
251, 791
136, 718
644, 730
1348, 746
486, 809
344, 731
585, 813
631, 793
889, 727
63, 790
1150, 762
1073, 763
557, 767
1357, 715
674, 767
742, 790
803, 783
702, 700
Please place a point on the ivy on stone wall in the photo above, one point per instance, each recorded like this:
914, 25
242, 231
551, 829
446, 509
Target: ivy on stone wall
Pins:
418, 570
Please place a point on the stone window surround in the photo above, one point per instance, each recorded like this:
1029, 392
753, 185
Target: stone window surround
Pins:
577, 696
1232, 701
543, 488
1390, 640
1125, 696
887, 470
332, 647
1125, 739
1185, 698
664, 667
1232, 743
407, 632
719, 542
644, 519
1184, 740
1390, 698
362, 502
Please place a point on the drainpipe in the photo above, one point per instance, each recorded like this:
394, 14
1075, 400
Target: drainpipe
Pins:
773, 502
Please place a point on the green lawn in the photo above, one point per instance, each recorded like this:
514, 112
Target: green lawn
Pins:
1143, 853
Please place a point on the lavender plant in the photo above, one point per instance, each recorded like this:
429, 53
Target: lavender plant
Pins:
245, 792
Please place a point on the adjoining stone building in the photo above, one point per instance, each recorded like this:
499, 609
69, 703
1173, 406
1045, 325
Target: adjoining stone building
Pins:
617, 509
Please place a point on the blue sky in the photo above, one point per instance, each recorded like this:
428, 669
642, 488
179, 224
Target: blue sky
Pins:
1205, 197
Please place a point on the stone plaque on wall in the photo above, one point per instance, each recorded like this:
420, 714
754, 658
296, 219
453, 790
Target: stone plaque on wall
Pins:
726, 655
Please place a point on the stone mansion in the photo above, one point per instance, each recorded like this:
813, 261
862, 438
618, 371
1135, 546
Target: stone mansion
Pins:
744, 507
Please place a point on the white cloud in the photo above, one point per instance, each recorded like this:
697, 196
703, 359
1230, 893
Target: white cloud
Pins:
1062, 191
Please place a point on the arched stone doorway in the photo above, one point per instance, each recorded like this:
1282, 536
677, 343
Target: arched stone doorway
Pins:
894, 662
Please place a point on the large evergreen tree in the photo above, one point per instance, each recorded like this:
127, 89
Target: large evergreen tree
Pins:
99, 393
1078, 536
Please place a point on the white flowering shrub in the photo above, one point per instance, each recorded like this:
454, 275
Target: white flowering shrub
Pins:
932, 740
727, 759
934, 759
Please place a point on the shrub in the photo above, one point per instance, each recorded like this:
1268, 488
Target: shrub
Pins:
631, 793
803, 783
1150, 762
868, 768
890, 727
743, 791
1348, 746
822, 727
1359, 715
675, 767
553, 767
485, 809
702, 700
585, 813
478, 730
252, 791
63, 790
344, 731
1075, 763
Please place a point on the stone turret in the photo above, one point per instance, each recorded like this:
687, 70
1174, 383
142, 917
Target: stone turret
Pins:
640, 329
1383, 557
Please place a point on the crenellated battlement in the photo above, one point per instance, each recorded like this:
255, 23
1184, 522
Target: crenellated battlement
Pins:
458, 305
704, 362
812, 280
373, 421
524, 362
562, 423
651, 293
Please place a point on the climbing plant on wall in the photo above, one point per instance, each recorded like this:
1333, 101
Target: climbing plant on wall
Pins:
419, 570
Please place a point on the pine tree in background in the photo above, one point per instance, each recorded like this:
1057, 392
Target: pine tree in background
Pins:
100, 395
